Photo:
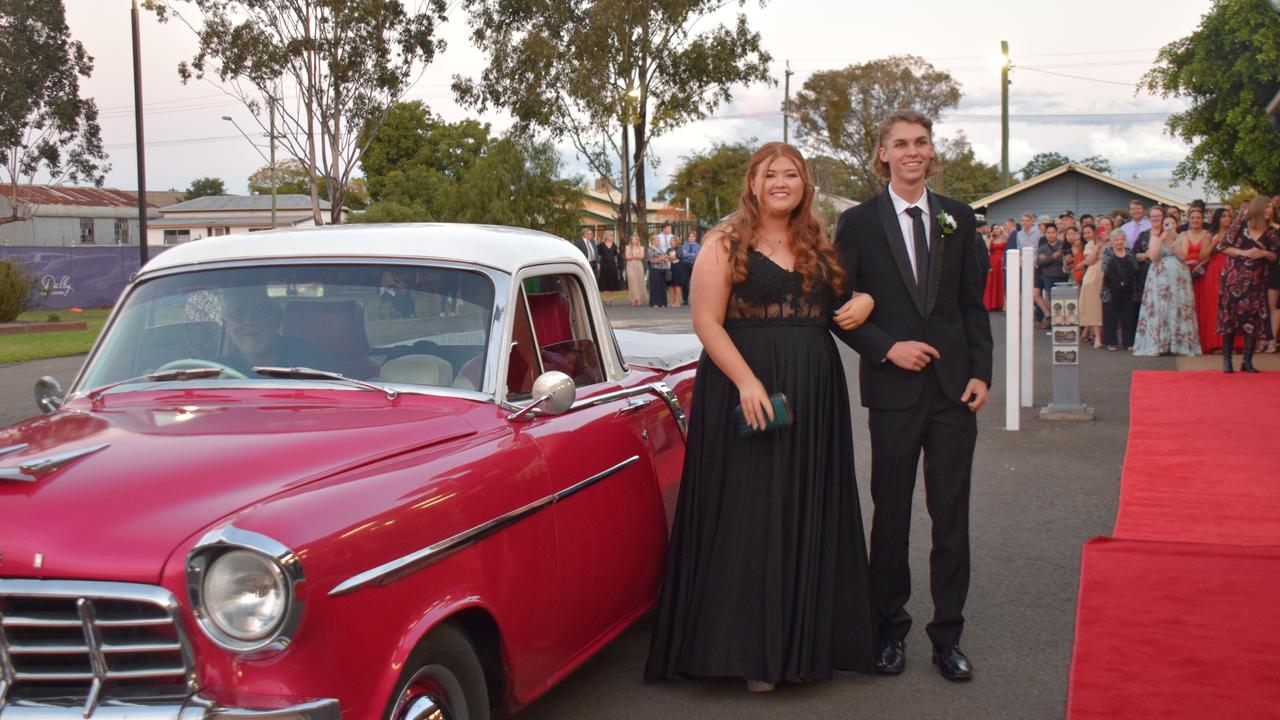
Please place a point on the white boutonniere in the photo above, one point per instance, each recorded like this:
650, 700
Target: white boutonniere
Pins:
947, 222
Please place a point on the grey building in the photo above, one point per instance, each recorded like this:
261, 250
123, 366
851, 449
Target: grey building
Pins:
62, 216
1081, 190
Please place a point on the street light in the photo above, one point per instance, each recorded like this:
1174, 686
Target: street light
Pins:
1005, 64
271, 161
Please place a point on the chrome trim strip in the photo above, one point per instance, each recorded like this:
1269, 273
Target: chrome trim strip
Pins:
230, 537
13, 448
432, 554
661, 389
33, 470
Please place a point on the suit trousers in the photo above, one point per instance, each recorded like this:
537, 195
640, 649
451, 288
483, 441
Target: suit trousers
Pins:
946, 431
1119, 321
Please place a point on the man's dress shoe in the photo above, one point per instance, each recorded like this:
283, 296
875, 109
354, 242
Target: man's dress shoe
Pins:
893, 657
952, 664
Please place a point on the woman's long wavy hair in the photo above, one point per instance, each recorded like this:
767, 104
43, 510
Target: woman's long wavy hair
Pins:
814, 254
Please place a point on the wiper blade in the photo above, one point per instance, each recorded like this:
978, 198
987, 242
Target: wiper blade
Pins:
304, 373
166, 376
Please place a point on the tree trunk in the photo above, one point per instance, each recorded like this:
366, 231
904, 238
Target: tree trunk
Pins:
642, 203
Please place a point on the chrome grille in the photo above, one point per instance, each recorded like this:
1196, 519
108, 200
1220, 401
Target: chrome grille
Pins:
78, 644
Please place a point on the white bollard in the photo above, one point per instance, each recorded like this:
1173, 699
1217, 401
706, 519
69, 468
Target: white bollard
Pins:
1028, 323
1012, 343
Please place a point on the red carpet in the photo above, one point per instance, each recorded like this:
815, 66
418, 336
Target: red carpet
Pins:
1203, 462
1176, 630
1179, 614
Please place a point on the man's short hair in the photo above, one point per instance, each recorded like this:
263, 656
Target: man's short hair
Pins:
1084, 217
1136, 201
914, 117
1029, 216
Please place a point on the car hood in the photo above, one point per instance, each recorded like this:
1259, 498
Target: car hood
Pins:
174, 463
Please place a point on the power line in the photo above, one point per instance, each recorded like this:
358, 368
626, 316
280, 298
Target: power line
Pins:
1077, 77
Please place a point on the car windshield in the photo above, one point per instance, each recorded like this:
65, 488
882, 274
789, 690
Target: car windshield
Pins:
415, 325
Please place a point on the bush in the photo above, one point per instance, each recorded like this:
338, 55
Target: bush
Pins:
53, 317
15, 290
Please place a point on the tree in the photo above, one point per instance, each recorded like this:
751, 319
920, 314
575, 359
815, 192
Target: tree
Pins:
962, 175
201, 187
838, 112
46, 125
330, 69
710, 180
420, 168
1043, 162
1228, 68
591, 70
1098, 163
292, 179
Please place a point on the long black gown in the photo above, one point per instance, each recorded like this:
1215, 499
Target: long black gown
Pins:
766, 574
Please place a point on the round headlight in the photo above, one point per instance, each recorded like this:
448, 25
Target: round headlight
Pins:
245, 595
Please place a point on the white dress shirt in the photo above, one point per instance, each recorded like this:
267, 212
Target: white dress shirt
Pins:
664, 241
904, 221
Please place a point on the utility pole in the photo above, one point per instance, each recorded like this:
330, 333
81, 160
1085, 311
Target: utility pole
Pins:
272, 105
786, 101
1004, 113
142, 150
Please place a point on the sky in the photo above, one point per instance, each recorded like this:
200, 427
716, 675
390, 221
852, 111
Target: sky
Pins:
1073, 82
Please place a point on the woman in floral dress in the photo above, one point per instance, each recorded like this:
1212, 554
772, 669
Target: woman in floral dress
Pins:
1167, 318
1251, 246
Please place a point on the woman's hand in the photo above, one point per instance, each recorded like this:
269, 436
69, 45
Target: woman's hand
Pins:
854, 313
756, 407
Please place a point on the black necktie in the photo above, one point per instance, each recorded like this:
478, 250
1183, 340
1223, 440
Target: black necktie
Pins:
922, 247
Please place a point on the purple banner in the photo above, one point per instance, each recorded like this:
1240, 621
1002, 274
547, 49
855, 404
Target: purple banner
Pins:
69, 277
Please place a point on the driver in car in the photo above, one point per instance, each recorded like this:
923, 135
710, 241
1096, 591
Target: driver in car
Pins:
252, 321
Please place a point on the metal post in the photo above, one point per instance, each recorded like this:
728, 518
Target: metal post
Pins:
1012, 322
1004, 114
272, 161
624, 211
1028, 323
142, 150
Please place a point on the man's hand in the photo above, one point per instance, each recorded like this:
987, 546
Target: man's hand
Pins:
911, 355
977, 390
854, 313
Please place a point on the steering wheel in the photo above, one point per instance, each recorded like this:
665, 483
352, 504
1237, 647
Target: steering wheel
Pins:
196, 363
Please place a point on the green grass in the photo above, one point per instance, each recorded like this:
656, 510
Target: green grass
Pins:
38, 346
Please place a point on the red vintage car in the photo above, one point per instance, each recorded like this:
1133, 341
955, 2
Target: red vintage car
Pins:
404, 472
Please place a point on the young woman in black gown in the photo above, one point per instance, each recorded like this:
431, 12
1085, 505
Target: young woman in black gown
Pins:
766, 574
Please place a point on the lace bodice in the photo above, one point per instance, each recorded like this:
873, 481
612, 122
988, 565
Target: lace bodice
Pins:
772, 295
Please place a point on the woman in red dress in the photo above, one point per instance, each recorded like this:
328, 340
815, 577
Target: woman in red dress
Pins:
993, 298
1208, 286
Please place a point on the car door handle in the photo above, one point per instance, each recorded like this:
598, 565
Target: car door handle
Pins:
634, 404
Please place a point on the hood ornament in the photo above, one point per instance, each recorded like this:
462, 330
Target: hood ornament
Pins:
33, 470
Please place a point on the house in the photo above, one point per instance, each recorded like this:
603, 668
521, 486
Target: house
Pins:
1082, 190
601, 203
63, 216
215, 215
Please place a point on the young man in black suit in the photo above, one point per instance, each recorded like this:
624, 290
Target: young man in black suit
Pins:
925, 369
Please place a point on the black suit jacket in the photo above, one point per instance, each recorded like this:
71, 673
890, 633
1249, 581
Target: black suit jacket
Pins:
948, 314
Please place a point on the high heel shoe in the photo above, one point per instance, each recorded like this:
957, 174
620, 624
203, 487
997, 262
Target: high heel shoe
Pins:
760, 686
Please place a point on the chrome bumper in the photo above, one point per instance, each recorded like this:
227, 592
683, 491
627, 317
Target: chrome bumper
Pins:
195, 708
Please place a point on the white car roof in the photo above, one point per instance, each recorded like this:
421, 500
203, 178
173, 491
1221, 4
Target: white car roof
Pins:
502, 248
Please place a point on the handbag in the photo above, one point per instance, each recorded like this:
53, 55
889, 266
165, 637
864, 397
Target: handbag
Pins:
781, 416
666, 276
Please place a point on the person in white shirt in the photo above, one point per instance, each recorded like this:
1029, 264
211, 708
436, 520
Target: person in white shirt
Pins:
1138, 223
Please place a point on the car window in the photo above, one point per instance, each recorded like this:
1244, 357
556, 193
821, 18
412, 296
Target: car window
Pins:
415, 325
523, 363
562, 328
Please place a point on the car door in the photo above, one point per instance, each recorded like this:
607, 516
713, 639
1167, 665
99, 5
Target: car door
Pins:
609, 519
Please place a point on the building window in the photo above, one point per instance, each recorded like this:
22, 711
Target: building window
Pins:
219, 231
86, 231
258, 229
176, 237
122, 231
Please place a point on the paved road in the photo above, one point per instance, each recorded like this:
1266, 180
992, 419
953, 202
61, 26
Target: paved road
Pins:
1038, 495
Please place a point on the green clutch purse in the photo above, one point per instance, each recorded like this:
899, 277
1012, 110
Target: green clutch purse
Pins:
781, 416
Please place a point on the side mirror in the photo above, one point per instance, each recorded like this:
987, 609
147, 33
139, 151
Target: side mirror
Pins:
553, 394
48, 394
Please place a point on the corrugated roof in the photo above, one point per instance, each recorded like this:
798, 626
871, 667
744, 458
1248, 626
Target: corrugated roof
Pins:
202, 220
232, 203
1163, 196
73, 196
